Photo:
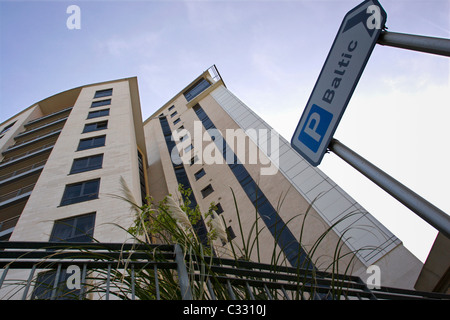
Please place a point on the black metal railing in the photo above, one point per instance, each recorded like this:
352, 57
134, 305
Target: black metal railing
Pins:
44, 270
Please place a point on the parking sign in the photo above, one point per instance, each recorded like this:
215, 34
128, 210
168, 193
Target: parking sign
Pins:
340, 73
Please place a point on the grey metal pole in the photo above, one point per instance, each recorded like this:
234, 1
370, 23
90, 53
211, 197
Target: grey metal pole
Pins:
440, 46
427, 211
183, 276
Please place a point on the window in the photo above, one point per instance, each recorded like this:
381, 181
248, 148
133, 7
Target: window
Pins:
194, 159
196, 89
207, 191
101, 103
171, 108
230, 233
199, 174
43, 289
176, 121
188, 148
99, 113
174, 114
90, 143
74, 229
9, 126
87, 163
103, 93
142, 177
81, 191
95, 126
219, 209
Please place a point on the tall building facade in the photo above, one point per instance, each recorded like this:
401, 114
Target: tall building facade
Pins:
64, 159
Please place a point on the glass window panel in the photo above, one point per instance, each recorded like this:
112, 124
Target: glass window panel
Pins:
101, 103
62, 230
79, 192
96, 161
73, 191
97, 114
90, 187
103, 93
199, 174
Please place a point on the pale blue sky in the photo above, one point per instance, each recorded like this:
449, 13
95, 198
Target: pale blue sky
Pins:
269, 54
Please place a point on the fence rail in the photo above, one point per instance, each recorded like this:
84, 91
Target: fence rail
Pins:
141, 271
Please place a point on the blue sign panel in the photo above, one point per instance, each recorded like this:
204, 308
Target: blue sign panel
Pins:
340, 73
316, 125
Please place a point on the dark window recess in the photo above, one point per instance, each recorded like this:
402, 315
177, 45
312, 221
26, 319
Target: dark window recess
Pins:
174, 114
219, 208
79, 192
199, 174
230, 233
176, 121
90, 143
182, 178
103, 93
142, 178
9, 126
100, 103
87, 163
194, 159
96, 126
196, 89
44, 286
99, 113
188, 148
74, 229
171, 108
207, 191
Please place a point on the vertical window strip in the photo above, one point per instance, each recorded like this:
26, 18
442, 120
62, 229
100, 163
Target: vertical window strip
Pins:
182, 178
280, 231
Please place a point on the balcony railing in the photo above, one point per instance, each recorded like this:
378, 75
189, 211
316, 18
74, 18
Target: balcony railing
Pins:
47, 116
35, 138
16, 193
163, 272
8, 223
17, 172
29, 152
29, 132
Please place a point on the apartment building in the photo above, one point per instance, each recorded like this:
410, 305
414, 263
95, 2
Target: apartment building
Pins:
64, 158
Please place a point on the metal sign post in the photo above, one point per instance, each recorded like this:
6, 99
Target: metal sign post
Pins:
360, 30
343, 67
424, 209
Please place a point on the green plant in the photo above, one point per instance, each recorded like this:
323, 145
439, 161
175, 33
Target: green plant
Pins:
172, 221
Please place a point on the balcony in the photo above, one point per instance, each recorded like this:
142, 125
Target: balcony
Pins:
46, 119
16, 195
19, 173
58, 122
35, 139
7, 227
30, 153
106, 271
